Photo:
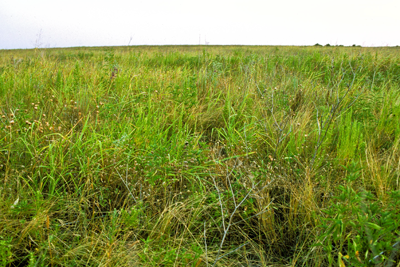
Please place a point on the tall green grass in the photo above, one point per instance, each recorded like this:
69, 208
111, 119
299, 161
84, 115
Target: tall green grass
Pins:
199, 156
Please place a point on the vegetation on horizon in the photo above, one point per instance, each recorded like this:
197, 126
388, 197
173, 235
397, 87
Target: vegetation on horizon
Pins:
200, 156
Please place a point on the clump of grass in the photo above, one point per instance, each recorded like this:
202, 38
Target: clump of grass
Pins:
199, 156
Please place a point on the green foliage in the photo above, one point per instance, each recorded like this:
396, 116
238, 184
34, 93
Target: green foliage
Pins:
186, 94
359, 226
5, 251
350, 141
192, 155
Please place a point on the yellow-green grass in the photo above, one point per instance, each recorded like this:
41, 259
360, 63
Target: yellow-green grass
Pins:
199, 156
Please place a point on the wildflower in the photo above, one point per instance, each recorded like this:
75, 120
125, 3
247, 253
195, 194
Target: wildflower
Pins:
15, 203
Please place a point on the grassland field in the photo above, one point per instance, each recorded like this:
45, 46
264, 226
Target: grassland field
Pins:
200, 156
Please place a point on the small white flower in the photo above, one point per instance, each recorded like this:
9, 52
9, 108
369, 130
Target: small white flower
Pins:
15, 203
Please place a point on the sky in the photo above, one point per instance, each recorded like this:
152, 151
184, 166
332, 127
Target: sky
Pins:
60, 23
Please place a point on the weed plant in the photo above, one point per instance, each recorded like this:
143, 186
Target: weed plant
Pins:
200, 156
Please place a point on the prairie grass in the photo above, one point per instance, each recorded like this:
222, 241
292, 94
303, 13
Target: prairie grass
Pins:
200, 156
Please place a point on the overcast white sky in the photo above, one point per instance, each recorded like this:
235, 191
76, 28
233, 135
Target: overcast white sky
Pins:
60, 23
